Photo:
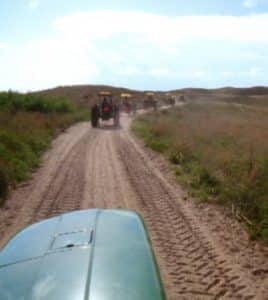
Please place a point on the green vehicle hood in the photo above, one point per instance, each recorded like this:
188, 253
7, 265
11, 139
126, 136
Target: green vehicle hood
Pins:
84, 255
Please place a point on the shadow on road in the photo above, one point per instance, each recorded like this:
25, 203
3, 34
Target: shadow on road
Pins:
109, 127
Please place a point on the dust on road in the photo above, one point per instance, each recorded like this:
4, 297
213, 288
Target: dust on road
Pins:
202, 253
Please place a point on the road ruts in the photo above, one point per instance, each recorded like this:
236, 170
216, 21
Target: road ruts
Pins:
106, 182
194, 266
107, 168
20, 209
65, 191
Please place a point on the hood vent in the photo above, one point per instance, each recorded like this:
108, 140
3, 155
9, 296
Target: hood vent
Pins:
79, 238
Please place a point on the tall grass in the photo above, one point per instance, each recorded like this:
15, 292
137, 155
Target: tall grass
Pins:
27, 126
219, 151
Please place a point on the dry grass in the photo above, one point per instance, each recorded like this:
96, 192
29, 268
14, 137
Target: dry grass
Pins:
219, 152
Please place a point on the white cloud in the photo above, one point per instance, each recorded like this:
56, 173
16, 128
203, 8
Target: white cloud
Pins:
47, 63
228, 74
200, 74
97, 25
3, 46
254, 72
161, 72
250, 3
33, 4
130, 71
98, 46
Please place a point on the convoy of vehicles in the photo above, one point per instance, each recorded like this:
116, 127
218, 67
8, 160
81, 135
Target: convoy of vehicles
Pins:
83, 255
106, 108
150, 101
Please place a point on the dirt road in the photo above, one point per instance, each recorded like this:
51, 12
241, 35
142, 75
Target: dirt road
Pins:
202, 253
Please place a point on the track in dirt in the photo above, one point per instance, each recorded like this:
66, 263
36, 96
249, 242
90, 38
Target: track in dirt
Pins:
106, 168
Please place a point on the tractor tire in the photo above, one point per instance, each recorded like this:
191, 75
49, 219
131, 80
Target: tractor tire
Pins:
94, 121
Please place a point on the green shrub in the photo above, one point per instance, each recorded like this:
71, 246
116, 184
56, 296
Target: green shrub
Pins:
38, 143
264, 234
14, 102
180, 153
18, 148
3, 185
160, 145
27, 125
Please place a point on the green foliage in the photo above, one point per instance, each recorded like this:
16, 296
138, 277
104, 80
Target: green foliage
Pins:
180, 153
264, 234
18, 155
14, 102
154, 139
3, 184
158, 145
27, 125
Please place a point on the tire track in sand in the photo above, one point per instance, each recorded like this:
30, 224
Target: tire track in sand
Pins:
19, 210
195, 267
65, 192
107, 169
106, 182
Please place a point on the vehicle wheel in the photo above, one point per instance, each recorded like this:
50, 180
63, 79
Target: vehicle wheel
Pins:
94, 122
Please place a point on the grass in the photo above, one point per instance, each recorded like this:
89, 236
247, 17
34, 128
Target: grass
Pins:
219, 152
254, 101
25, 133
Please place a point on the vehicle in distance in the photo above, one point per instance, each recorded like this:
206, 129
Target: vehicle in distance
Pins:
83, 255
150, 101
106, 109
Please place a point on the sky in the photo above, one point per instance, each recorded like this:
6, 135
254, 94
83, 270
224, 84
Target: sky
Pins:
144, 45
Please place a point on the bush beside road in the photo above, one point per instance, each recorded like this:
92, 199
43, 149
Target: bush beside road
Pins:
28, 124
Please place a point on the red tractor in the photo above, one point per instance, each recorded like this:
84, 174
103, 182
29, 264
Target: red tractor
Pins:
105, 110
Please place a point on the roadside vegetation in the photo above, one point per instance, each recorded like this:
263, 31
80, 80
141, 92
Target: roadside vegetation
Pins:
28, 124
219, 152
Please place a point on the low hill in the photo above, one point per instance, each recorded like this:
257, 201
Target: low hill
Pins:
251, 91
85, 95
251, 96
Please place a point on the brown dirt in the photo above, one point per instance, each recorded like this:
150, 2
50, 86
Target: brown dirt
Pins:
202, 252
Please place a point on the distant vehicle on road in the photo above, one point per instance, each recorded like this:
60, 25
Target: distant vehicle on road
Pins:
150, 101
182, 98
105, 110
83, 255
170, 99
127, 105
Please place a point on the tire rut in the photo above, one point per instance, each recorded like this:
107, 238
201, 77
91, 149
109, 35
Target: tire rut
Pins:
194, 266
65, 191
100, 168
106, 185
21, 208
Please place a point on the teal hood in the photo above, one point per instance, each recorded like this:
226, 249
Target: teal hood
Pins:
83, 255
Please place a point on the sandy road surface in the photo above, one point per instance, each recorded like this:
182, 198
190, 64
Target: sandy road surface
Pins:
202, 253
